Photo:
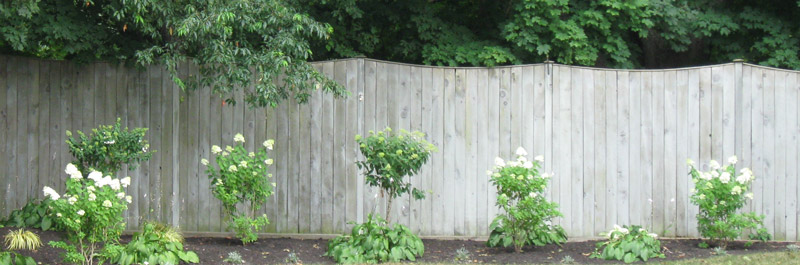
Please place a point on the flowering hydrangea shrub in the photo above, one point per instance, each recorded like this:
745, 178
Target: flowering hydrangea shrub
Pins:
91, 213
241, 178
720, 193
527, 215
629, 244
108, 148
389, 157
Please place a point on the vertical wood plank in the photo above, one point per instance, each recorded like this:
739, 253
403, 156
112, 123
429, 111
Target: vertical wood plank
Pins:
315, 158
488, 147
326, 207
599, 209
769, 134
670, 161
588, 161
682, 153
7, 121
562, 128
612, 202
473, 123
351, 148
781, 140
695, 136
791, 145
658, 200
339, 146
437, 103
624, 132
454, 141
636, 160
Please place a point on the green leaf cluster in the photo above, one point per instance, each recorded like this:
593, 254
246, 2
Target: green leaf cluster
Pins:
527, 215
35, 214
389, 157
108, 147
720, 193
240, 180
155, 244
375, 241
629, 244
13, 258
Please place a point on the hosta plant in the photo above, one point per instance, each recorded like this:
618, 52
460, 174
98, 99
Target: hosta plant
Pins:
91, 213
526, 216
155, 244
375, 241
389, 158
240, 180
35, 214
108, 147
720, 193
629, 244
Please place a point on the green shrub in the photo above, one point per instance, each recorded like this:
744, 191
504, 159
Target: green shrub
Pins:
10, 257
527, 215
35, 214
108, 148
375, 241
719, 193
155, 244
629, 244
241, 179
389, 157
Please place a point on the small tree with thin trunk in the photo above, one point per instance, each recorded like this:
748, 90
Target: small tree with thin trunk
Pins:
389, 157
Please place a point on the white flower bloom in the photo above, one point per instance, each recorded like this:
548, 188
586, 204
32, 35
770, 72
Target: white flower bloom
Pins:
204, 161
238, 138
273, 184
90, 188
50, 192
58, 214
527, 164
128, 199
78, 221
215, 149
530, 177
693, 191
251, 154
521, 151
109, 142
653, 235
539, 158
269, 161
702, 196
126, 181
225, 153
243, 164
92, 197
690, 162
489, 172
499, 162
268, 144
512, 163
532, 194
749, 195
732, 160
114, 184
232, 168
547, 175
229, 148
73, 171
714, 174
72, 200
81, 212
219, 182
713, 164
120, 195
96, 176
736, 190
107, 204
706, 175
725, 177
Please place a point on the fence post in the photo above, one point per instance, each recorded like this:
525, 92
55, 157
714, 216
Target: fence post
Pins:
738, 106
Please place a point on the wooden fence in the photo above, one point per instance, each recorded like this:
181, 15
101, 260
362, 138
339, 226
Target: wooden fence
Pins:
617, 141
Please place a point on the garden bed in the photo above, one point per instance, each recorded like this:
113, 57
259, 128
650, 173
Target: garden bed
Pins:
309, 251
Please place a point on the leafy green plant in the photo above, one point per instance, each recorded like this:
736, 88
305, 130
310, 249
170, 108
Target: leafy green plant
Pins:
241, 179
389, 157
35, 214
629, 244
10, 257
375, 241
91, 213
462, 255
719, 193
155, 244
234, 257
22, 239
527, 215
292, 258
108, 148
567, 260
793, 248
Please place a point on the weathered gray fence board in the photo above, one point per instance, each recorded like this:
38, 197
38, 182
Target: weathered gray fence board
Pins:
617, 141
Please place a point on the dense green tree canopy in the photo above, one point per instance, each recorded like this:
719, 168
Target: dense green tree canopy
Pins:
237, 41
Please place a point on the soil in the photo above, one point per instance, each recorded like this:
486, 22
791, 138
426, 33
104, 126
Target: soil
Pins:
309, 251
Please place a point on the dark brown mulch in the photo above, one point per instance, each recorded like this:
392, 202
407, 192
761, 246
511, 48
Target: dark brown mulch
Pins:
276, 250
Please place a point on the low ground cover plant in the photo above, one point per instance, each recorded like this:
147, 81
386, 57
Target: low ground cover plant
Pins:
527, 215
240, 181
91, 213
375, 241
155, 244
720, 193
629, 244
19, 240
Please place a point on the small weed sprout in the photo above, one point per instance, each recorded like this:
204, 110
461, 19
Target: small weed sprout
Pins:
567, 260
793, 248
720, 251
462, 255
292, 258
234, 257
